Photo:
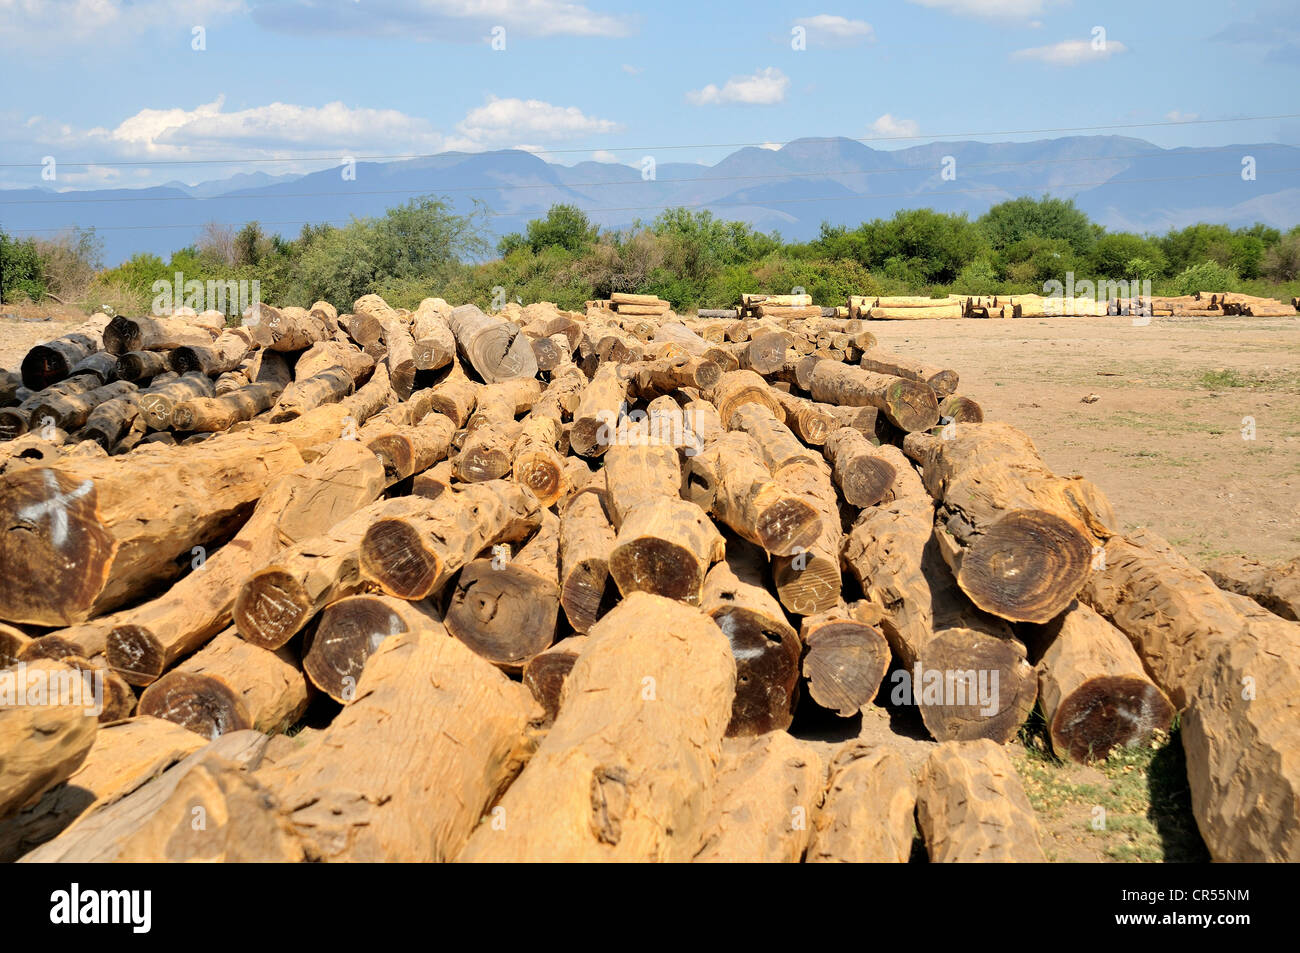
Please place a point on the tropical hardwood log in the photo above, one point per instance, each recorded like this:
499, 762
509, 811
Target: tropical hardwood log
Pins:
1091, 687
124, 334
653, 378
70, 412
413, 555
962, 410
598, 412
47, 725
433, 482
12, 642
943, 381
327, 387
730, 480
297, 507
215, 414
504, 401
435, 345
350, 630
627, 771
112, 693
286, 329
228, 686
323, 355
845, 660
547, 671
488, 452
101, 364
123, 757
665, 546
156, 822
90, 539
777, 444
737, 388
495, 348
909, 405
226, 353
429, 715
586, 541
813, 422
864, 474
110, 421
16, 421
971, 806
764, 798
639, 473
10, 384
765, 645
157, 405
1025, 536
808, 581
538, 464
1275, 587
867, 814
455, 398
52, 361
405, 451
505, 608
275, 602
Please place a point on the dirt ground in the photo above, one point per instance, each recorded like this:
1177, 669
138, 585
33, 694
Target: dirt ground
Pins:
1166, 440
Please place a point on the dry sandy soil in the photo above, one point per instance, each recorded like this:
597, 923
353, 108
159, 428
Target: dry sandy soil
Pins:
1164, 440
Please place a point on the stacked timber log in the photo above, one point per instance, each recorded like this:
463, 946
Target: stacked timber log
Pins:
778, 306
553, 586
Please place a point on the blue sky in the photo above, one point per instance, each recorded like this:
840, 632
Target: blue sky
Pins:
118, 82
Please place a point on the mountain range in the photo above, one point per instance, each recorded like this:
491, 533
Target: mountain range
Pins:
1123, 183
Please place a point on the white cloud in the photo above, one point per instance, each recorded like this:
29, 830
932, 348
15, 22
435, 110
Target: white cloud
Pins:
632, 70
890, 128
772, 146
43, 23
993, 9
765, 88
465, 20
1177, 115
1072, 52
603, 155
503, 122
827, 29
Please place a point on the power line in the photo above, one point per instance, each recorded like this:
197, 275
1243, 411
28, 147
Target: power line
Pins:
664, 148
620, 182
710, 205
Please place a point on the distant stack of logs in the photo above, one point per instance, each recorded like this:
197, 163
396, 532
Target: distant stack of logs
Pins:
1040, 306
556, 586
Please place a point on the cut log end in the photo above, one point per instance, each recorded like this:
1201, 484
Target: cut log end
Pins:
271, 607
659, 566
1027, 567
1109, 712
393, 555
767, 671
974, 685
844, 665
506, 615
206, 706
867, 480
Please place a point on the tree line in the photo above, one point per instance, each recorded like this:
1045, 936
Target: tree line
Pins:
690, 258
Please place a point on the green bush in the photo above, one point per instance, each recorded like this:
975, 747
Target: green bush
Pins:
21, 271
1207, 276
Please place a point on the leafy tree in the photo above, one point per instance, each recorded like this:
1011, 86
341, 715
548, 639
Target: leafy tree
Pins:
1282, 261
21, 270
1207, 276
565, 226
1111, 254
1014, 221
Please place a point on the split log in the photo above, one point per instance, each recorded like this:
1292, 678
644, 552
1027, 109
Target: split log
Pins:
124, 334
506, 609
765, 645
351, 630
429, 716
864, 475
547, 671
228, 686
1275, 587
844, 662
971, 806
627, 771
413, 555
765, 794
943, 381
123, 757
156, 822
299, 506
908, 405
215, 414
867, 815
1093, 692
1024, 536
47, 725
90, 539
278, 600
496, 349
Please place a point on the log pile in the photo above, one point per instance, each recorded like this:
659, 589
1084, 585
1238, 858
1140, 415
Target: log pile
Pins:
561, 587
